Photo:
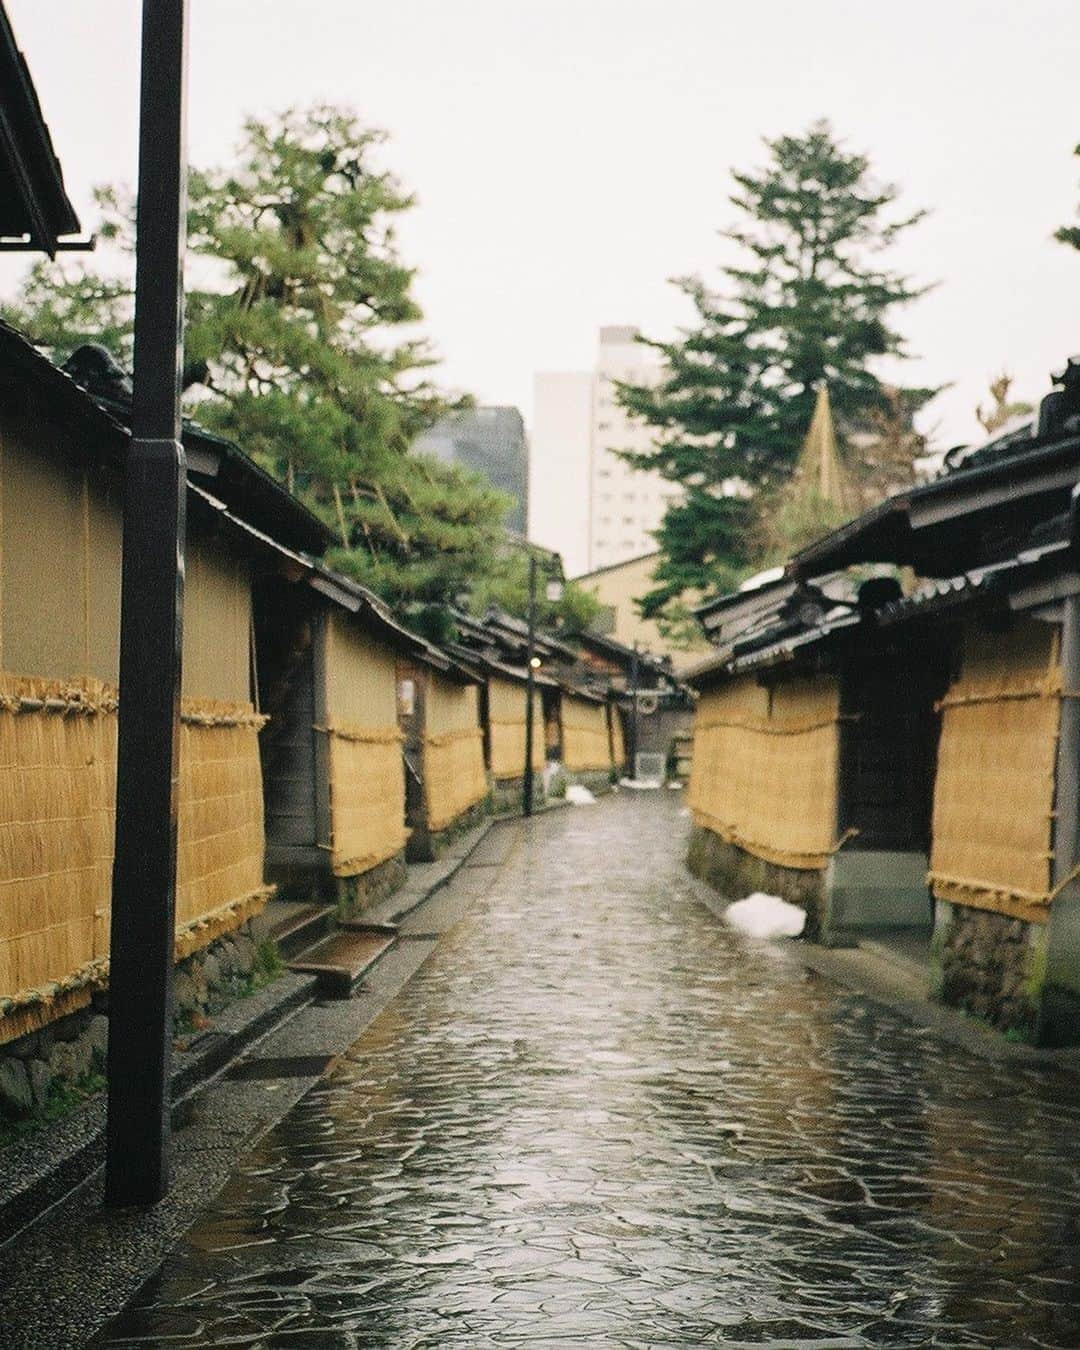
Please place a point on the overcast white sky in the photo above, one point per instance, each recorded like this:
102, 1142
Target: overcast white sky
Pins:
571, 155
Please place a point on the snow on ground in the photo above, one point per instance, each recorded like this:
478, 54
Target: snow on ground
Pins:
766, 916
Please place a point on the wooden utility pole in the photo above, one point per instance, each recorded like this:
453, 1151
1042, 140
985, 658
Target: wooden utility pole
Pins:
151, 632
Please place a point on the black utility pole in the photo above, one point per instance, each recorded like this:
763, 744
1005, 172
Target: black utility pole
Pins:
151, 630
530, 684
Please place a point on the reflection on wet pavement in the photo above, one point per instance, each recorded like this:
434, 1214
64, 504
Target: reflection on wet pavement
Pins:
596, 1115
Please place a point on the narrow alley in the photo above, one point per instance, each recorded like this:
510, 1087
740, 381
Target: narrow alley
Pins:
598, 1114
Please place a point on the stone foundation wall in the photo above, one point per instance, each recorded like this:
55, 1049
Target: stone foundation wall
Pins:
506, 795
68, 1051
426, 847
356, 894
598, 781
990, 965
735, 874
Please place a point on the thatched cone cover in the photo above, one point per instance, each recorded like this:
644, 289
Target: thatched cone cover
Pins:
819, 466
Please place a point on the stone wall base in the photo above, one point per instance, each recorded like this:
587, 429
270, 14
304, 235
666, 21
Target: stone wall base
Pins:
506, 794
990, 965
67, 1052
425, 846
735, 874
361, 892
598, 781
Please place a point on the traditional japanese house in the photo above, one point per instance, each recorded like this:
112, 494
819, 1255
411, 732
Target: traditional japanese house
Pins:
61, 464
328, 654
447, 786
324, 654
908, 763
812, 759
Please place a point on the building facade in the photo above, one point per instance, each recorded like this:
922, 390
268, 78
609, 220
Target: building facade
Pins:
584, 500
618, 588
491, 441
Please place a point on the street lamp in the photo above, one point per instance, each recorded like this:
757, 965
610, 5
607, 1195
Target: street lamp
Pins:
553, 590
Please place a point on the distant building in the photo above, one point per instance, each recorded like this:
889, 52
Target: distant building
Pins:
492, 442
584, 500
618, 588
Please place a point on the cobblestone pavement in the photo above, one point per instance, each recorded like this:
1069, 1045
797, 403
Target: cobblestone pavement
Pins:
597, 1115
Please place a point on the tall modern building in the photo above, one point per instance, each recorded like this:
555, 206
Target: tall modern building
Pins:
584, 500
492, 442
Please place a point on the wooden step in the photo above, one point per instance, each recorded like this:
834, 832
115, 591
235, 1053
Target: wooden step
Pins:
294, 925
340, 961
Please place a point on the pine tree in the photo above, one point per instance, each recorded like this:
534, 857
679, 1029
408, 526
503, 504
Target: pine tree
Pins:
297, 303
807, 303
1069, 234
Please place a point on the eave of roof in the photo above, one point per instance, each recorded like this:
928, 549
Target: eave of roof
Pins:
892, 530
35, 211
980, 584
727, 663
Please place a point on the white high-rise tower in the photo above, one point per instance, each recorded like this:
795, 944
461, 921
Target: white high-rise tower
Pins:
584, 500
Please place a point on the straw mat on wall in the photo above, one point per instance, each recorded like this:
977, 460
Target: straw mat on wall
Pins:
586, 743
454, 776
367, 797
57, 783
506, 724
764, 768
994, 791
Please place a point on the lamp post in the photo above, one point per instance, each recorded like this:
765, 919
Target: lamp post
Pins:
530, 686
553, 591
151, 631
634, 712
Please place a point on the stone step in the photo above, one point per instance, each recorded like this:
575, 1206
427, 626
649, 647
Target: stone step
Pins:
340, 961
294, 925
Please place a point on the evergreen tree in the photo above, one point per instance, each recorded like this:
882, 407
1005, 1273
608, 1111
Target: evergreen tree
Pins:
301, 346
806, 303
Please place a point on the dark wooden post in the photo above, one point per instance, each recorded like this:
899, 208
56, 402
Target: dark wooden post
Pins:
151, 629
530, 684
634, 712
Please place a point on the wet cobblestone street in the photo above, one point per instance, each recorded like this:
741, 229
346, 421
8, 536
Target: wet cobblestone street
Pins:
597, 1115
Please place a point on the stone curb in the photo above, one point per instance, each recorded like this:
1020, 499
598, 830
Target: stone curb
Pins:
41, 1168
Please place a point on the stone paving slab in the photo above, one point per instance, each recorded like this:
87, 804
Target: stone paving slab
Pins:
596, 1114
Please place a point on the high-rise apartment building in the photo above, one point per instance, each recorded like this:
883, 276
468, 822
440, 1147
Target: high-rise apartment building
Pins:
490, 441
584, 500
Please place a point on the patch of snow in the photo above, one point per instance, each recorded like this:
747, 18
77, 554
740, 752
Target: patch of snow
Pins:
640, 784
766, 916
579, 795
